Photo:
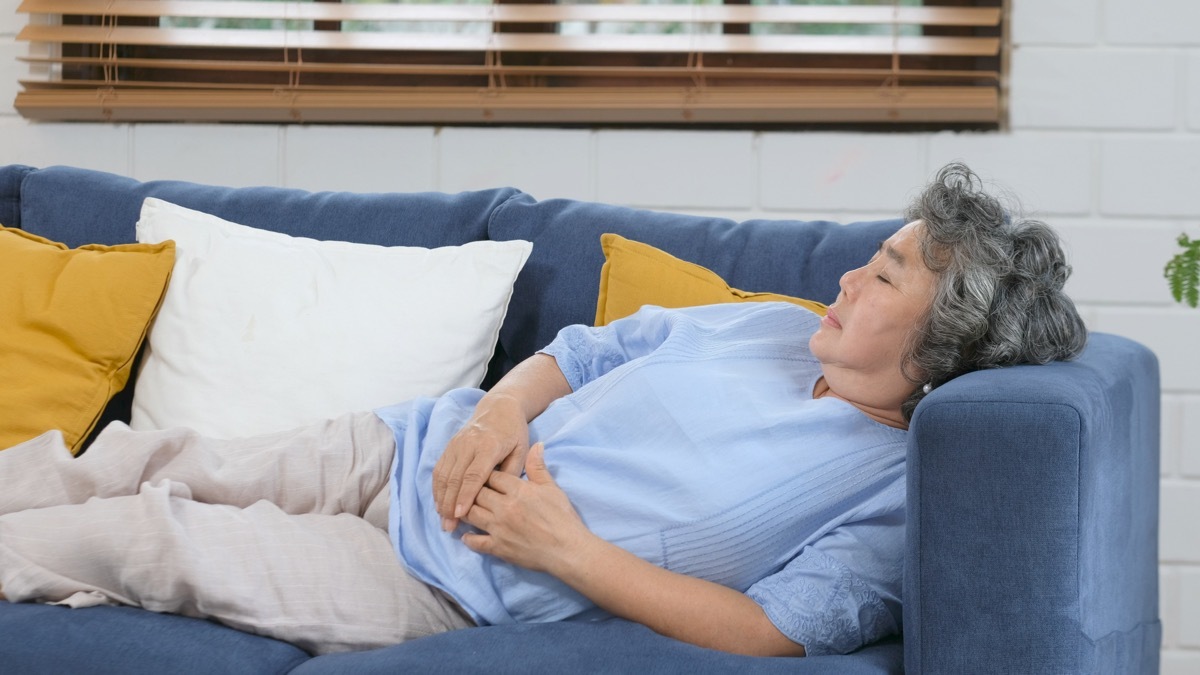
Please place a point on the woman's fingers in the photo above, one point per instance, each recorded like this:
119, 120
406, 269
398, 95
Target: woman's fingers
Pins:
488, 499
496, 435
504, 483
536, 465
480, 516
474, 477
444, 493
514, 463
529, 523
464, 467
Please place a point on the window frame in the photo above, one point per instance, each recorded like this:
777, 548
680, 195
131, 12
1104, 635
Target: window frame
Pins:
128, 92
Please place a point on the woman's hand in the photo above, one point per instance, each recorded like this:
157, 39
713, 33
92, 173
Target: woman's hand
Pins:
496, 435
529, 523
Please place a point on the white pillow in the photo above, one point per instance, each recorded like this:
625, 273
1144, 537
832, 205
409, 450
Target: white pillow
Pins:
261, 332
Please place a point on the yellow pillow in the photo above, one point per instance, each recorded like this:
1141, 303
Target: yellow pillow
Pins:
73, 322
636, 274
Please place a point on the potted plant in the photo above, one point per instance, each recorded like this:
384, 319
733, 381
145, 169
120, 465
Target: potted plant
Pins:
1183, 272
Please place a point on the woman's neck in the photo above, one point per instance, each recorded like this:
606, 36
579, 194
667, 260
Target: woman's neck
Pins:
892, 417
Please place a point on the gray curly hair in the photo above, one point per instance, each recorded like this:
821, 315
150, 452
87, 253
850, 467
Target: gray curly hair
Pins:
999, 297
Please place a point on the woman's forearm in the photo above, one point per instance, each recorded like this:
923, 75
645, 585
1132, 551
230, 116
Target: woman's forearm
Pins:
533, 385
692, 610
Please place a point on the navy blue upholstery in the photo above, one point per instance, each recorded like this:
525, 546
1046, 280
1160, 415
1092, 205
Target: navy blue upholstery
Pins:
48, 640
1033, 491
10, 193
613, 646
558, 285
1042, 478
78, 206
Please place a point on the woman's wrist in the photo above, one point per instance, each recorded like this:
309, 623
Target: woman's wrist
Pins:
580, 559
498, 401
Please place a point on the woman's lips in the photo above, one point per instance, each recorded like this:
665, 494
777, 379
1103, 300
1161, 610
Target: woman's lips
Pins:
831, 319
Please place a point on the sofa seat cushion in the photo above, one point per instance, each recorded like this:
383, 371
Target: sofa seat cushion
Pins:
49, 640
611, 646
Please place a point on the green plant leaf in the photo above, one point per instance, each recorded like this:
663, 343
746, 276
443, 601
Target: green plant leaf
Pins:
1183, 272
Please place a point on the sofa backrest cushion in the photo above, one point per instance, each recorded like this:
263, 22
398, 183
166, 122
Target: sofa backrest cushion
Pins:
560, 283
11, 177
80, 206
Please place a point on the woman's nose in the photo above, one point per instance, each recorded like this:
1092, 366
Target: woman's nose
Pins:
850, 280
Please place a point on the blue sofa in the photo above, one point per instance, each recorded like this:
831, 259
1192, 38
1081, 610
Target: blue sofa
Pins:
1032, 491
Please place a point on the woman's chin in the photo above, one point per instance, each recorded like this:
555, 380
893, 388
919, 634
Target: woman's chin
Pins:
818, 342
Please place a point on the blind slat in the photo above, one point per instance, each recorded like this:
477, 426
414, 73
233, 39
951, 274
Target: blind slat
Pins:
531, 105
325, 11
515, 42
306, 67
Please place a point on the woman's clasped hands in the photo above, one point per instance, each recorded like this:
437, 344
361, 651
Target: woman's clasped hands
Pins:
477, 480
496, 436
529, 523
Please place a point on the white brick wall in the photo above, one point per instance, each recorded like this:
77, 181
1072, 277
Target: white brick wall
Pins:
357, 158
1057, 87
1168, 601
1057, 22
1105, 144
1189, 436
1151, 22
1051, 173
1189, 594
100, 147
1193, 92
839, 171
1152, 176
237, 155
1118, 261
544, 163
676, 169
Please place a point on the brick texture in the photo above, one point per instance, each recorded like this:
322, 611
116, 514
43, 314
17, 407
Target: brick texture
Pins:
359, 159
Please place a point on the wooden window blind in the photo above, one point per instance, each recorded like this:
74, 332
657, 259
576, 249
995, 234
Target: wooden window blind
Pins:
465, 61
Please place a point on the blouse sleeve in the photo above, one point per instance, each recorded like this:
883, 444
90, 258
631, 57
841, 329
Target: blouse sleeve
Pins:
843, 591
586, 353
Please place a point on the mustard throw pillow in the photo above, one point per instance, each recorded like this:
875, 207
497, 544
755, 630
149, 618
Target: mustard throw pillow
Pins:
636, 274
73, 322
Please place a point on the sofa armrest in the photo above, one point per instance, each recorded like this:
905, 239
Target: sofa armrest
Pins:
1033, 518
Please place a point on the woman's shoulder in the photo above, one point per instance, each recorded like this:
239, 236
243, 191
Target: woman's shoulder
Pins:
751, 311
772, 329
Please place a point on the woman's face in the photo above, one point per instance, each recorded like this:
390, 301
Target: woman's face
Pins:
879, 306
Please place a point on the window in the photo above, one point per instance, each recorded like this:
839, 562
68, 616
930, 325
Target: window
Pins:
644, 62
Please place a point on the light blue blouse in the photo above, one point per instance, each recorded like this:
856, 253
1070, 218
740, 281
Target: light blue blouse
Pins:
692, 440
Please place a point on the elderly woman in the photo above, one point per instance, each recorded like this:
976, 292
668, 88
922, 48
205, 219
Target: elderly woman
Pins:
730, 475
